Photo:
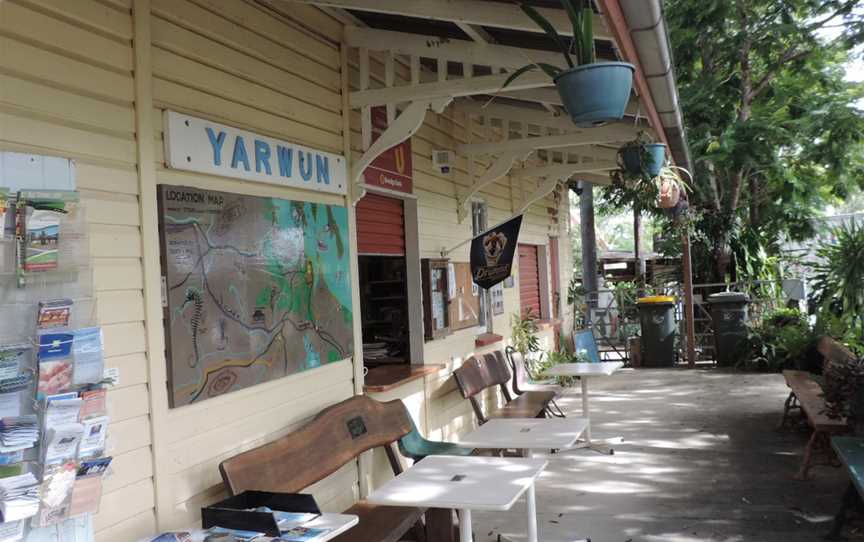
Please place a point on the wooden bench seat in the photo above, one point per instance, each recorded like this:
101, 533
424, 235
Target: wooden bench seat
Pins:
335, 437
527, 405
805, 395
380, 523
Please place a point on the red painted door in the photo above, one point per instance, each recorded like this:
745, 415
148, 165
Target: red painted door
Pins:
380, 226
529, 280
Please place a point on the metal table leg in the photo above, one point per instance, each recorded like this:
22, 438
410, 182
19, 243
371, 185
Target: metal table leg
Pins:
465, 526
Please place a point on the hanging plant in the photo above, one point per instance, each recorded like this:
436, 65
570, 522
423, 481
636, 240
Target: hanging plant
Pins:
592, 92
670, 186
642, 156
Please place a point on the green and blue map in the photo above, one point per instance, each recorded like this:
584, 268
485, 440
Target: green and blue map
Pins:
256, 289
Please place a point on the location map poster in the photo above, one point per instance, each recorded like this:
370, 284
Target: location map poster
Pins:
255, 289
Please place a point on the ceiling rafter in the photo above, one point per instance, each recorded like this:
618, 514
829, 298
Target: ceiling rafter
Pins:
478, 12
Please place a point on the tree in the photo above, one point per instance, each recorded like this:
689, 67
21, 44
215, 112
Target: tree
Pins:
772, 124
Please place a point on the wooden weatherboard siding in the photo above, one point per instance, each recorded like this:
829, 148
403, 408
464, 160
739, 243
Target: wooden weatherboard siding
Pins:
66, 89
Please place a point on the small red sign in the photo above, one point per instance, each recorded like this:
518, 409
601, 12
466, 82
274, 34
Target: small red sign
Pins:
393, 169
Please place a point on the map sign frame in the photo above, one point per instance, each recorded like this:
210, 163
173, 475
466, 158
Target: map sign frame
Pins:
254, 289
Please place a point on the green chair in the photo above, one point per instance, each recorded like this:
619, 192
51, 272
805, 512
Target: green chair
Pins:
414, 446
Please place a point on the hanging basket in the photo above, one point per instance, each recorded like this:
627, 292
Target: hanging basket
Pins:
670, 194
632, 158
596, 93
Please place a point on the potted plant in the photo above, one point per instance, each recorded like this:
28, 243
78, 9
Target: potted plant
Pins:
670, 186
592, 92
642, 157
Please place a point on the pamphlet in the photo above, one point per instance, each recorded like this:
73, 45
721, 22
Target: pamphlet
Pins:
61, 442
55, 346
93, 442
62, 409
12, 531
12, 359
95, 403
54, 377
54, 314
19, 497
94, 467
10, 404
56, 494
87, 355
86, 494
41, 239
4, 208
303, 534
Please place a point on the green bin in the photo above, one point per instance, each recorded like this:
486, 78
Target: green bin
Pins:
729, 315
657, 320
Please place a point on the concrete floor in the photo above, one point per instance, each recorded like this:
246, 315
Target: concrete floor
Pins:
701, 461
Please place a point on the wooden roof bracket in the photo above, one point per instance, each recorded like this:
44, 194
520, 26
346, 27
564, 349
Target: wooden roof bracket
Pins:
403, 127
501, 166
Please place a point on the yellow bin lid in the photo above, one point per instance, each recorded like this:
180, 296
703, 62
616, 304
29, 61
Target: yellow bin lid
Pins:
655, 299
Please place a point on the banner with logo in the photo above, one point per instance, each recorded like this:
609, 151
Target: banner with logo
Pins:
492, 253
393, 169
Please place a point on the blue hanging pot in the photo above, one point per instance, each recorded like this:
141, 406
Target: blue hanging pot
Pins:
655, 156
596, 93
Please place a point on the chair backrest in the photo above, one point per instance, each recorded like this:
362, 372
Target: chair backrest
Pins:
585, 343
501, 371
334, 437
475, 375
517, 365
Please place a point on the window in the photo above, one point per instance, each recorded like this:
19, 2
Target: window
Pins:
479, 225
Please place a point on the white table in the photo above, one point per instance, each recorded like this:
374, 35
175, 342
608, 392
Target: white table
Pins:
526, 434
586, 371
465, 484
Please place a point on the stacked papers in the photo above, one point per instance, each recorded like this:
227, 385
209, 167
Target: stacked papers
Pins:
19, 433
19, 497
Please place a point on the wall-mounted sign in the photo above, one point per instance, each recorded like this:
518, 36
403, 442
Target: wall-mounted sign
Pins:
203, 146
492, 253
393, 169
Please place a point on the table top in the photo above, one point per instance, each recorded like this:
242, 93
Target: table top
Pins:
473, 483
604, 368
850, 450
527, 433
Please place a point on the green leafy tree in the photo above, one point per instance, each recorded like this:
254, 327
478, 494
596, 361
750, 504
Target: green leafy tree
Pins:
772, 124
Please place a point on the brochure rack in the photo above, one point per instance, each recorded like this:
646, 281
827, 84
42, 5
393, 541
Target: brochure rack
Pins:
53, 417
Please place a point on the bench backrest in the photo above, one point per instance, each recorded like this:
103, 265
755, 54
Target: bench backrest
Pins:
334, 437
834, 352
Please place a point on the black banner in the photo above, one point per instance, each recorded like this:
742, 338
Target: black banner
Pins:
492, 253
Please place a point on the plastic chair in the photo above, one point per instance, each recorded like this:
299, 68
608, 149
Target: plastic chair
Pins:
522, 381
585, 343
415, 446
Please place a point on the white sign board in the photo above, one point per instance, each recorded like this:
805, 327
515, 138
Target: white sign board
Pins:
19, 171
204, 146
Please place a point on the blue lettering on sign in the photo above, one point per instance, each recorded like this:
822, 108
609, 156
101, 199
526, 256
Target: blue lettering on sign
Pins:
285, 157
216, 142
240, 154
305, 165
322, 166
262, 156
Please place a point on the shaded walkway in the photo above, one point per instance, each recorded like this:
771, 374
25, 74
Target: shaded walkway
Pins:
701, 461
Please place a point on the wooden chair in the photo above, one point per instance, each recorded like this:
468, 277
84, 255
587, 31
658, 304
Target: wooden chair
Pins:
335, 437
522, 380
805, 395
475, 376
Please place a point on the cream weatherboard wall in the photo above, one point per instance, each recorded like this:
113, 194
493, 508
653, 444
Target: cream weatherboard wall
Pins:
66, 89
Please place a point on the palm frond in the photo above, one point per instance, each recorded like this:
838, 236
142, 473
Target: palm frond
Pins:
518, 73
575, 16
587, 36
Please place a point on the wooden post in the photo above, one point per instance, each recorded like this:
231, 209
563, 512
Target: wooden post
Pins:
637, 238
589, 245
689, 315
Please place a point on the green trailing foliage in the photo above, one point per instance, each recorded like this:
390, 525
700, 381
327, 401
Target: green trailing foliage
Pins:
838, 277
576, 51
551, 359
782, 340
523, 333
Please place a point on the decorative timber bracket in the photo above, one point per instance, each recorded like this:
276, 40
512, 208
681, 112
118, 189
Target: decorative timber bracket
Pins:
402, 128
501, 166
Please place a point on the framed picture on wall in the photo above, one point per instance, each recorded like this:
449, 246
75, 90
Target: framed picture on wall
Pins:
497, 293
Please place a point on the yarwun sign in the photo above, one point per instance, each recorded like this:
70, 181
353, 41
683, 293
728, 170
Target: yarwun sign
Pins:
492, 253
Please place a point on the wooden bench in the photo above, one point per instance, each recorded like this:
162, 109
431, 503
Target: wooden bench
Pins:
475, 376
335, 437
806, 396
